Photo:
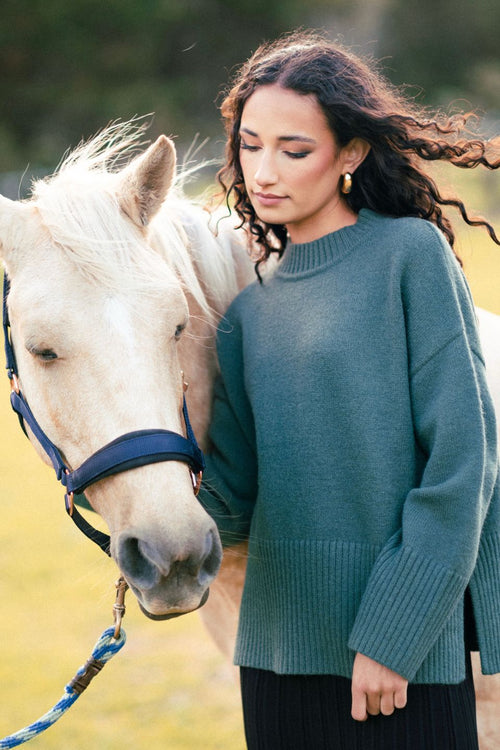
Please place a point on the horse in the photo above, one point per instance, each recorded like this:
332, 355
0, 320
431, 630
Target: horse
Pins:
102, 285
117, 285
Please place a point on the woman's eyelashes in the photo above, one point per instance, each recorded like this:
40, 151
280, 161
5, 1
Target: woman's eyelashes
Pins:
292, 154
248, 147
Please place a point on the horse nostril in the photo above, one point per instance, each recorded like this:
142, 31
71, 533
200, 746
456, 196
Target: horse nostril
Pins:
211, 560
135, 565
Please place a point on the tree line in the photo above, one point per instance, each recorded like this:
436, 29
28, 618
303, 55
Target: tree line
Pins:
68, 68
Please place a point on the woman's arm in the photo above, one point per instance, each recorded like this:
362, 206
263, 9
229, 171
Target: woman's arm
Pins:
419, 577
229, 484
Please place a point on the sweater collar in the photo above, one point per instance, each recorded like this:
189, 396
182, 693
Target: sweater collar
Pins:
309, 257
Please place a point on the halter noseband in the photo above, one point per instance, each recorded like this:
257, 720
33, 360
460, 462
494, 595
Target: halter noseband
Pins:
129, 451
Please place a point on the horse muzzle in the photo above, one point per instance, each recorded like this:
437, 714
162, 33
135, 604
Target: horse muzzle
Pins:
169, 579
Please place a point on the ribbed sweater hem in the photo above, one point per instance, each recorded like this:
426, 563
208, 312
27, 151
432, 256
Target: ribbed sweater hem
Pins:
300, 603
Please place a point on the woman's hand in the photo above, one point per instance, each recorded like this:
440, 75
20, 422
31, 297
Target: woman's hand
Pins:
375, 689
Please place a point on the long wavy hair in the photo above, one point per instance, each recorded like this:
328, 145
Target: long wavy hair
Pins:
358, 101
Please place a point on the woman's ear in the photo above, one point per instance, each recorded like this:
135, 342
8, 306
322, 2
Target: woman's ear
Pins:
354, 153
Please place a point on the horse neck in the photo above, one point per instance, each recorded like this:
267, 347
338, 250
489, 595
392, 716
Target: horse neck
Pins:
222, 267
197, 356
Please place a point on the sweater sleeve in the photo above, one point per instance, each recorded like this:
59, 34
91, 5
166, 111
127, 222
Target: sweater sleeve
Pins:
421, 574
229, 485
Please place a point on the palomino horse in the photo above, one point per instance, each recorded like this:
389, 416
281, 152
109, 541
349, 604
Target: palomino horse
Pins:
99, 298
106, 266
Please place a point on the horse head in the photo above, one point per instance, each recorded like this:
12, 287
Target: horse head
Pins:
96, 315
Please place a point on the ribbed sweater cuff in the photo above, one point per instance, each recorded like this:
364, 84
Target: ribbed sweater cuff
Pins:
485, 591
405, 605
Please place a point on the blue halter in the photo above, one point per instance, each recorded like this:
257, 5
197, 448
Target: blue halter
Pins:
126, 452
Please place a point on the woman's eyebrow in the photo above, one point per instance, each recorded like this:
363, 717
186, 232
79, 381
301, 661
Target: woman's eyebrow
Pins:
301, 138
285, 138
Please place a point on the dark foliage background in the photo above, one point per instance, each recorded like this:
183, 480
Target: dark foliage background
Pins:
68, 67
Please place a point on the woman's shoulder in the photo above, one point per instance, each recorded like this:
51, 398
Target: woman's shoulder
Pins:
412, 243
405, 231
244, 298
252, 295
240, 310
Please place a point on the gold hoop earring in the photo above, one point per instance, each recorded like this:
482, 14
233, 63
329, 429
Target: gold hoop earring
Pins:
346, 183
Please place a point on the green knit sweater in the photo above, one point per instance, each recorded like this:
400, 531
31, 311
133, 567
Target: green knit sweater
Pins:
354, 443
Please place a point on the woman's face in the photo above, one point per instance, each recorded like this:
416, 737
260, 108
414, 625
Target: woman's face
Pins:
292, 165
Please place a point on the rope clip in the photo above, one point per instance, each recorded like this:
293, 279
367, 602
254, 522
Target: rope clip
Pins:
119, 605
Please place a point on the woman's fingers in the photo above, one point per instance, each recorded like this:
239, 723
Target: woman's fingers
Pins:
358, 708
400, 697
373, 703
387, 704
375, 689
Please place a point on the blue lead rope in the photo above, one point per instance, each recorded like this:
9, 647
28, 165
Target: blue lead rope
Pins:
105, 648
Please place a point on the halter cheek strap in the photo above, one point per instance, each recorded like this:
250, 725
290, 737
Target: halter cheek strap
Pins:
129, 451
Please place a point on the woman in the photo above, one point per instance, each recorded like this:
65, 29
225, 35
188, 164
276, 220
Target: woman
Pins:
353, 433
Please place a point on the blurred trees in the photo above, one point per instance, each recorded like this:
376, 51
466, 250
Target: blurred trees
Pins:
448, 47
68, 68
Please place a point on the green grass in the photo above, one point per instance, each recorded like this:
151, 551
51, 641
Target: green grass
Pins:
168, 688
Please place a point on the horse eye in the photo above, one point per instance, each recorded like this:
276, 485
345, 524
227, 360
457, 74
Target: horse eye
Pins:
178, 330
45, 355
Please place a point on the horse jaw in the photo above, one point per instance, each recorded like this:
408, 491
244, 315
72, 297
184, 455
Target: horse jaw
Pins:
144, 184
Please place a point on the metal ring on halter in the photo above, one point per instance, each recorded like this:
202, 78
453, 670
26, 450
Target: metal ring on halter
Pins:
14, 383
69, 499
196, 480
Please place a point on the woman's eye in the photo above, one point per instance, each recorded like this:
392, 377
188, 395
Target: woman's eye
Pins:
297, 154
247, 147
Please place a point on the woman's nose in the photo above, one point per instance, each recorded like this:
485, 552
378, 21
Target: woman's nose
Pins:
266, 173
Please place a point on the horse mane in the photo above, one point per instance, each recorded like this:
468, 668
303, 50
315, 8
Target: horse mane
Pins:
79, 207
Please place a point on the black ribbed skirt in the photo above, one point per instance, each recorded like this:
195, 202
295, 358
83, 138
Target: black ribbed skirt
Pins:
313, 712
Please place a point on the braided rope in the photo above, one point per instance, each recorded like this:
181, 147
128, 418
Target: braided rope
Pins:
105, 648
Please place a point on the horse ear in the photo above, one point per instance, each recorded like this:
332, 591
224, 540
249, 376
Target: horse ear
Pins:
12, 221
144, 184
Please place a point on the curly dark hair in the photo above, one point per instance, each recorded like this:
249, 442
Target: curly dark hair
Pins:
358, 101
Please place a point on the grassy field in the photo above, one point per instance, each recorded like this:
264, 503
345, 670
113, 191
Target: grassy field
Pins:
168, 688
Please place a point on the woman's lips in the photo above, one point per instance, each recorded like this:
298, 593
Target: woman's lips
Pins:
269, 199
